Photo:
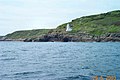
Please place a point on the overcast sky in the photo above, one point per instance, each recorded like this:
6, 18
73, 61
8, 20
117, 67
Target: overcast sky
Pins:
39, 14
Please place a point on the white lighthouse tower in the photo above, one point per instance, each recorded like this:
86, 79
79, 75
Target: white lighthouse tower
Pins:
68, 28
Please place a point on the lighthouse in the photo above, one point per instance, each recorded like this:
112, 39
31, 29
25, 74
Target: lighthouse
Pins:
68, 29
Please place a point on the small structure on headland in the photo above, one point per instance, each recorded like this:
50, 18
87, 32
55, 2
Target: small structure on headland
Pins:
68, 28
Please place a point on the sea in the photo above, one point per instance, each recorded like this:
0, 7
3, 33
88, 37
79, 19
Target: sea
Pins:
59, 60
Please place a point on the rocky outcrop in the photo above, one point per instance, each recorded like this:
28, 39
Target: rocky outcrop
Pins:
82, 37
2, 38
65, 37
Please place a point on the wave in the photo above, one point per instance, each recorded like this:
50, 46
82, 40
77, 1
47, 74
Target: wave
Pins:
27, 73
20, 74
8, 59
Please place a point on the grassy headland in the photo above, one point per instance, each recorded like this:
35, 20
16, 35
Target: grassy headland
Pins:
97, 25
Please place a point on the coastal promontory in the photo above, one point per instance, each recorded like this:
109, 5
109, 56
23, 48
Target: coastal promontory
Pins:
100, 28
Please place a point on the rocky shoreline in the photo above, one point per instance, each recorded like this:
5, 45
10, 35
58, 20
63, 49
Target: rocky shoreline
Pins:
82, 37
103, 27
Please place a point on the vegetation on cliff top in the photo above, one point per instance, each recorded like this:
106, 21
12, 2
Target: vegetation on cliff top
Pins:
95, 24
27, 33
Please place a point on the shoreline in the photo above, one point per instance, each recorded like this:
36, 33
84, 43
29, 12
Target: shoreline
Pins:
112, 37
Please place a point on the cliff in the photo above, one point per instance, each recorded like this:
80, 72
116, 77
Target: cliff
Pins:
100, 27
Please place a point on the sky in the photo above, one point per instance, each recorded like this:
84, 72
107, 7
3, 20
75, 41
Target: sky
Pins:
46, 14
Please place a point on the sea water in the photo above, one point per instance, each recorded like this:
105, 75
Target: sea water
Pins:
58, 60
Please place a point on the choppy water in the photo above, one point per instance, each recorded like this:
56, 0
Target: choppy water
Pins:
58, 61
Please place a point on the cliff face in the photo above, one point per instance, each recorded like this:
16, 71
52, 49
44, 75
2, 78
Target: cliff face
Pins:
101, 27
76, 38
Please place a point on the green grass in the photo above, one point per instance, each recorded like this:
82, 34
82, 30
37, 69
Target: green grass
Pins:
28, 33
96, 24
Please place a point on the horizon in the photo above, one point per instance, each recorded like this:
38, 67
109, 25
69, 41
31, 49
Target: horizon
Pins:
18, 15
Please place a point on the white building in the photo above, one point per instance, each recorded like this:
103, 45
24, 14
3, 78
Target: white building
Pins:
68, 28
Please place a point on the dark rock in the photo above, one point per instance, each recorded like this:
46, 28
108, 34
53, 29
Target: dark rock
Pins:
28, 40
65, 39
80, 37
